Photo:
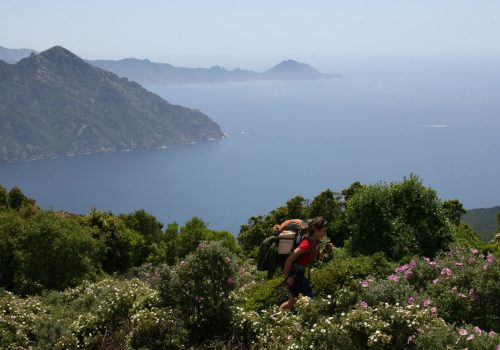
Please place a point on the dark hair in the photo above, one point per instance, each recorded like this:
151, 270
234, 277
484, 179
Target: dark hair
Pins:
316, 224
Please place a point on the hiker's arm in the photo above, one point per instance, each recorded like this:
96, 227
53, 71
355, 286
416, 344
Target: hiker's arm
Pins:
328, 248
289, 261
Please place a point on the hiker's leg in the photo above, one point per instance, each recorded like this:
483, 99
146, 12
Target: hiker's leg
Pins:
287, 305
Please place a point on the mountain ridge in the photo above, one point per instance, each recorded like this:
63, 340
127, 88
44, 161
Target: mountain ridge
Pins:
54, 103
147, 72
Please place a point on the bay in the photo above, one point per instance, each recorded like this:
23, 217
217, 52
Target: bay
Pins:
287, 138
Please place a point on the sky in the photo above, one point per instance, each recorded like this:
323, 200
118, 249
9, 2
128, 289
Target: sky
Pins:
254, 34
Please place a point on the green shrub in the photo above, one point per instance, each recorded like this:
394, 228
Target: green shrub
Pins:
18, 320
330, 279
106, 309
400, 219
467, 337
200, 286
264, 295
157, 329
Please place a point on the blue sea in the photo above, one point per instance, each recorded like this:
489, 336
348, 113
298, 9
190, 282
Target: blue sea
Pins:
379, 123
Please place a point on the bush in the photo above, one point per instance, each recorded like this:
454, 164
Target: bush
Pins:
18, 320
107, 309
157, 329
399, 219
200, 287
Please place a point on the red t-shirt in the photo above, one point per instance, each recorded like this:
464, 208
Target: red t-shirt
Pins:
306, 258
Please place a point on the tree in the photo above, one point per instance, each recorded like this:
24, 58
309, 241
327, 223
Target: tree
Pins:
123, 247
4, 197
16, 198
57, 253
12, 229
399, 219
351, 190
146, 225
454, 210
191, 234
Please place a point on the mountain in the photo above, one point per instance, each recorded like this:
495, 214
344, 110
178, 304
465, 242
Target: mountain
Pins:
293, 70
54, 103
147, 72
14, 55
483, 221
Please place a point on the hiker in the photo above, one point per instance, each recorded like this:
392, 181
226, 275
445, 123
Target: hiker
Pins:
297, 263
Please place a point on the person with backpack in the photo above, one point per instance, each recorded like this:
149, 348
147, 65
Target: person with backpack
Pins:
296, 264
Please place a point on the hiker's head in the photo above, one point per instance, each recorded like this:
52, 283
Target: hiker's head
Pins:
317, 227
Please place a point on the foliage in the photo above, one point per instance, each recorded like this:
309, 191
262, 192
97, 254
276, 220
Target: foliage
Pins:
45, 252
18, 319
107, 309
399, 219
326, 204
149, 228
200, 286
484, 221
123, 247
454, 210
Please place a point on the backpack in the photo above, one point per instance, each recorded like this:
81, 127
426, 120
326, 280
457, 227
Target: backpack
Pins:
275, 249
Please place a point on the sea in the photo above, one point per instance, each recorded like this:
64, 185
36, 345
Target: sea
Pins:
380, 122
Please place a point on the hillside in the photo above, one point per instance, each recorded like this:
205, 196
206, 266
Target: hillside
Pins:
14, 55
483, 221
54, 103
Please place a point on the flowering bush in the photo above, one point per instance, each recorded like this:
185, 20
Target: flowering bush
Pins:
462, 285
18, 320
468, 337
107, 308
200, 286
157, 329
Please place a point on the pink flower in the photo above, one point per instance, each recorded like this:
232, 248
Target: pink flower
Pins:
426, 259
462, 332
230, 280
228, 259
411, 338
426, 302
435, 281
477, 330
393, 278
363, 304
470, 337
498, 347
434, 310
459, 264
492, 334
474, 251
408, 273
485, 267
201, 246
462, 295
364, 284
413, 263
473, 294
402, 268
490, 258
410, 300
433, 264
446, 271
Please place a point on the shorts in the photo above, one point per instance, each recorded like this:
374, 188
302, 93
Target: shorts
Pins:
301, 285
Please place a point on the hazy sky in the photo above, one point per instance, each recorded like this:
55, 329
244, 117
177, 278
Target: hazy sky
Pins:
254, 34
